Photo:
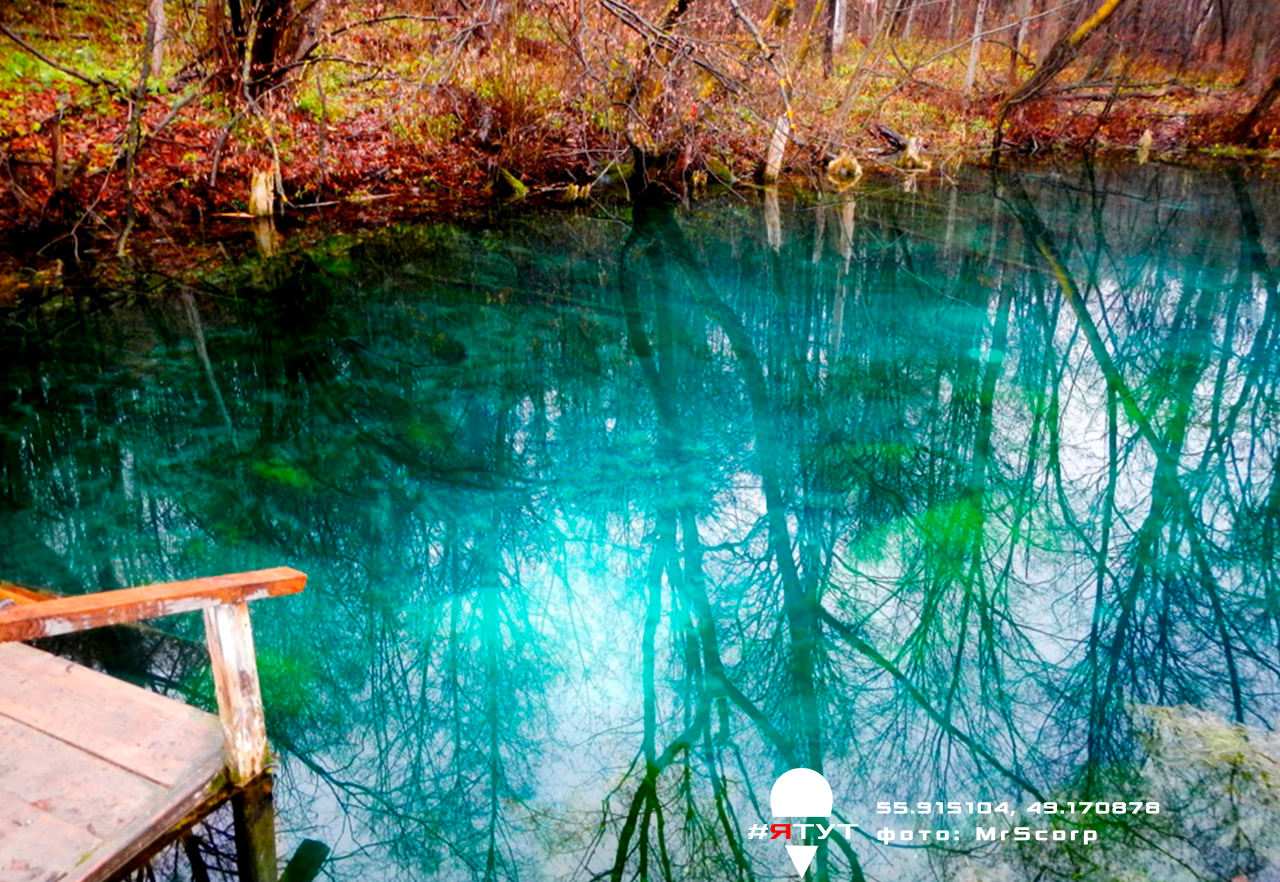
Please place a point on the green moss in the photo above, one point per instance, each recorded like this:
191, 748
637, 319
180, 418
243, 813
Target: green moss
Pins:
279, 472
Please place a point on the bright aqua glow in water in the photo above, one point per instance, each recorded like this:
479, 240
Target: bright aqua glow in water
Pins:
962, 495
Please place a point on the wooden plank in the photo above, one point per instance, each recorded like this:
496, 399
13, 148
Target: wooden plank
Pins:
20, 661
235, 680
64, 615
99, 765
37, 847
70, 784
204, 786
11, 593
148, 734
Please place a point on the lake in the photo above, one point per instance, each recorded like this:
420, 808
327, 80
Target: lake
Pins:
965, 495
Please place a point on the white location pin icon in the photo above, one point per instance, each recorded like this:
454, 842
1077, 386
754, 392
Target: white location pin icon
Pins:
801, 793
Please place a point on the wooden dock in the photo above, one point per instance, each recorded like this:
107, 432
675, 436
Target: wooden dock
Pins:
95, 772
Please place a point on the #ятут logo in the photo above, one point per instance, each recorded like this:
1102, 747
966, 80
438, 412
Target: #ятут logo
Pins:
801, 793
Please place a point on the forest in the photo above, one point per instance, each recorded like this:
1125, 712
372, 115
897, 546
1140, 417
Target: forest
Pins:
146, 112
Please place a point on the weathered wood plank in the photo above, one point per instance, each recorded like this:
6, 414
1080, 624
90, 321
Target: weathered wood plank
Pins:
20, 661
204, 785
105, 766
64, 615
146, 733
74, 786
35, 846
235, 680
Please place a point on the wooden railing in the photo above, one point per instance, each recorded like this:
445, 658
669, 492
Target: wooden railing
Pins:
224, 600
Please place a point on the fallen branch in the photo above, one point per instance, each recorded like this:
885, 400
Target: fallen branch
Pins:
1107, 96
382, 18
69, 71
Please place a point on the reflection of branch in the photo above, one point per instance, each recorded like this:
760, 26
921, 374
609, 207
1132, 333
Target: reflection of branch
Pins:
1254, 260
688, 583
919, 698
1167, 462
654, 223
202, 353
647, 791
799, 606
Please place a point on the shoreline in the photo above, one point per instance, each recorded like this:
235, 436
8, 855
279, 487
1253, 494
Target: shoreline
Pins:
185, 251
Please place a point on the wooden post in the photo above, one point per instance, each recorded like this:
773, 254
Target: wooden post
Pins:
235, 680
254, 823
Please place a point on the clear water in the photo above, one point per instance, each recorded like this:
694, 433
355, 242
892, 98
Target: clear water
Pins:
968, 494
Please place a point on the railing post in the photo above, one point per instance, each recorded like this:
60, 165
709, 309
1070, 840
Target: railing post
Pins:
235, 680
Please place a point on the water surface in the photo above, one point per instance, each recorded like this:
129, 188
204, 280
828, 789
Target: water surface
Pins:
962, 494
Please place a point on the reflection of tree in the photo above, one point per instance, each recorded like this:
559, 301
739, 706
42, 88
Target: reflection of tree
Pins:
1172, 598
394, 480
439, 771
1166, 599
693, 620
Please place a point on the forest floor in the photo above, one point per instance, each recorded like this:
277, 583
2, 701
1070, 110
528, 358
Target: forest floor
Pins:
382, 140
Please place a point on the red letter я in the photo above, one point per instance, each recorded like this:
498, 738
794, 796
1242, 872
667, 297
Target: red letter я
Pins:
783, 830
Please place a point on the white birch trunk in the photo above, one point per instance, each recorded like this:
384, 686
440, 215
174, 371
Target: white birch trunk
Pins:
975, 47
155, 12
777, 149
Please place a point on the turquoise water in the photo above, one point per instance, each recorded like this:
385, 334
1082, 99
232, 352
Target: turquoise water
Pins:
967, 494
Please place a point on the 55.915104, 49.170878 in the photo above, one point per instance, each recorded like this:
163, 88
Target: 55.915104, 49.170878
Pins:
1084, 807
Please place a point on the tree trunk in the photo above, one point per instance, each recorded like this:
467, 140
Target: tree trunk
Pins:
1244, 132
1020, 40
836, 22
272, 20
155, 16
866, 22
1262, 42
1058, 57
777, 149
258, 42
1024, 21
133, 134
309, 35
780, 14
975, 48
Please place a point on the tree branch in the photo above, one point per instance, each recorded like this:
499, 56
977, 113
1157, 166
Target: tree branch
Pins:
71, 72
